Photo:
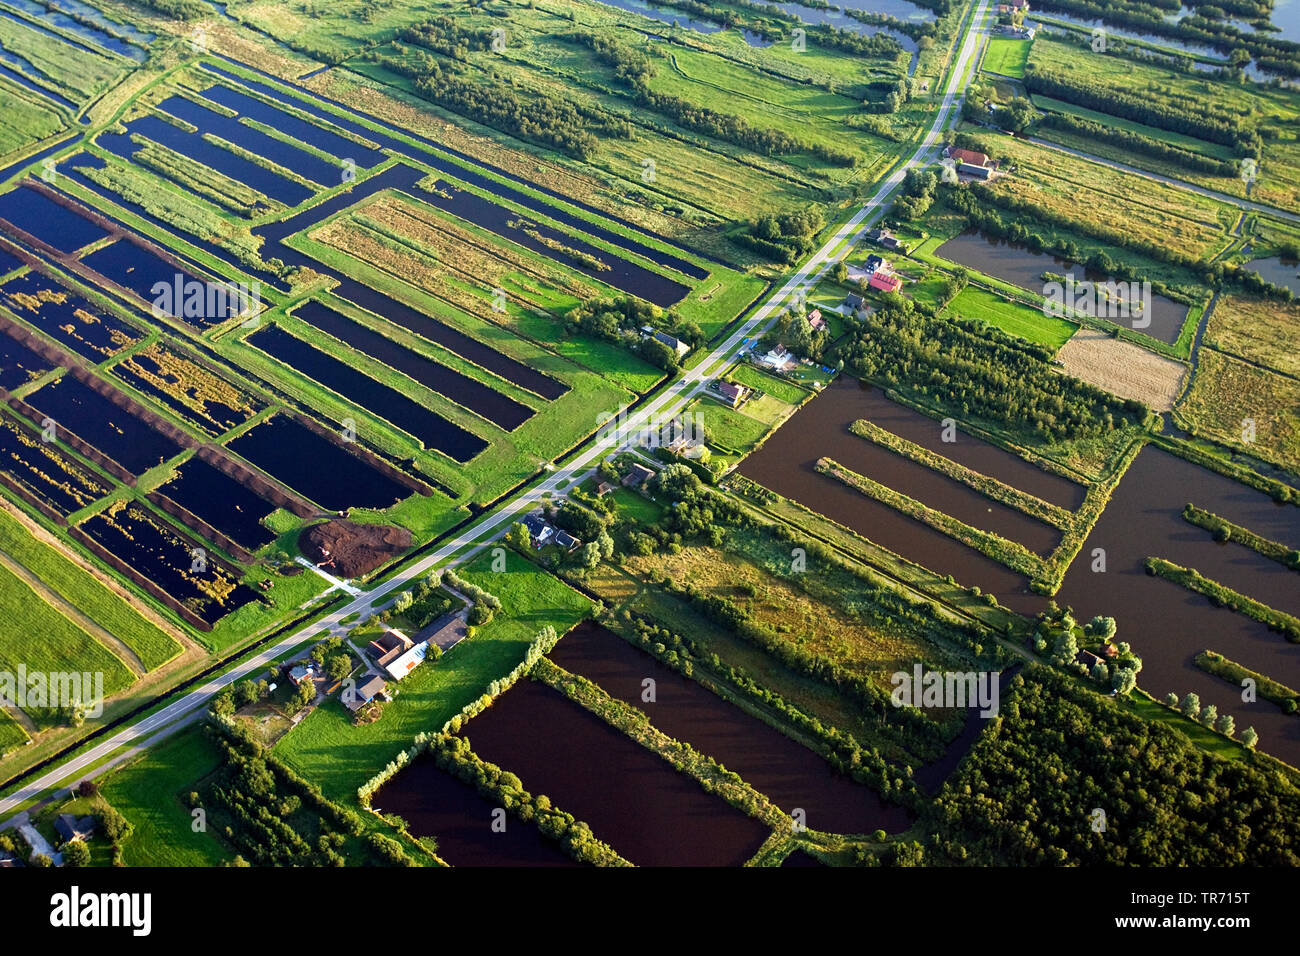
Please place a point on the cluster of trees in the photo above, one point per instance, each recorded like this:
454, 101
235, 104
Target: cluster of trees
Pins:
1139, 143
443, 35
981, 373
620, 320
453, 755
635, 69
270, 806
1204, 122
486, 604
785, 237
1029, 795
549, 120
175, 9
916, 195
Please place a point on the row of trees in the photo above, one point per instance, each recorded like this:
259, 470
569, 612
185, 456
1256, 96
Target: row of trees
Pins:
1204, 122
636, 70
1139, 143
549, 120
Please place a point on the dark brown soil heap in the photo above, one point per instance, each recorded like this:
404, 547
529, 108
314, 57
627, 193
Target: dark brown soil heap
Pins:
351, 550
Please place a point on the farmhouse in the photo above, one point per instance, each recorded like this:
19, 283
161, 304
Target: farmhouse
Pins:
637, 476
446, 632
389, 646
406, 662
885, 282
971, 163
365, 693
815, 320
70, 827
674, 343
884, 237
729, 392
1088, 659
779, 358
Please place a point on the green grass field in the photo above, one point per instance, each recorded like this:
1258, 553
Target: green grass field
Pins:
84, 592
36, 636
1012, 317
1006, 57
729, 429
329, 750
779, 389
148, 792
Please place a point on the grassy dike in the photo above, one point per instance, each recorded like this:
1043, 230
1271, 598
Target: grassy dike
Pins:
1222, 596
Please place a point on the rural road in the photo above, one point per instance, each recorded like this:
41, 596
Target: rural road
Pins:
167, 720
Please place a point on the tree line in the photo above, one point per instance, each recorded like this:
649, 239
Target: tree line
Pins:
1139, 143
1206, 123
635, 70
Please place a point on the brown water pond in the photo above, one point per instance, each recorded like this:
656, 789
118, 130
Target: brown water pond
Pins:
786, 463
1167, 624
632, 799
436, 804
787, 772
1016, 263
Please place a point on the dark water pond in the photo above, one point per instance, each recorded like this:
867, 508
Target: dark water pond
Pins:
1016, 263
1279, 271
305, 164
316, 467
72, 321
385, 306
786, 463
19, 364
221, 501
128, 440
38, 215
147, 544
471, 393
469, 173
436, 804
787, 772
978, 455
138, 270
290, 125
187, 388
44, 471
192, 145
432, 430
111, 34
633, 799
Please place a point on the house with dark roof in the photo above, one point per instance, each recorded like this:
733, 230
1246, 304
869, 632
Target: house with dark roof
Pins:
535, 524
853, 302
566, 541
874, 263
365, 693
446, 632
637, 476
70, 827
674, 343
1088, 659
730, 393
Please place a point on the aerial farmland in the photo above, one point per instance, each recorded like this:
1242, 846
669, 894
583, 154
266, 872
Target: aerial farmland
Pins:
583, 433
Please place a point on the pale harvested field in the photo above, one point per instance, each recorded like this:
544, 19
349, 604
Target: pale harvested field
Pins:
1122, 368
